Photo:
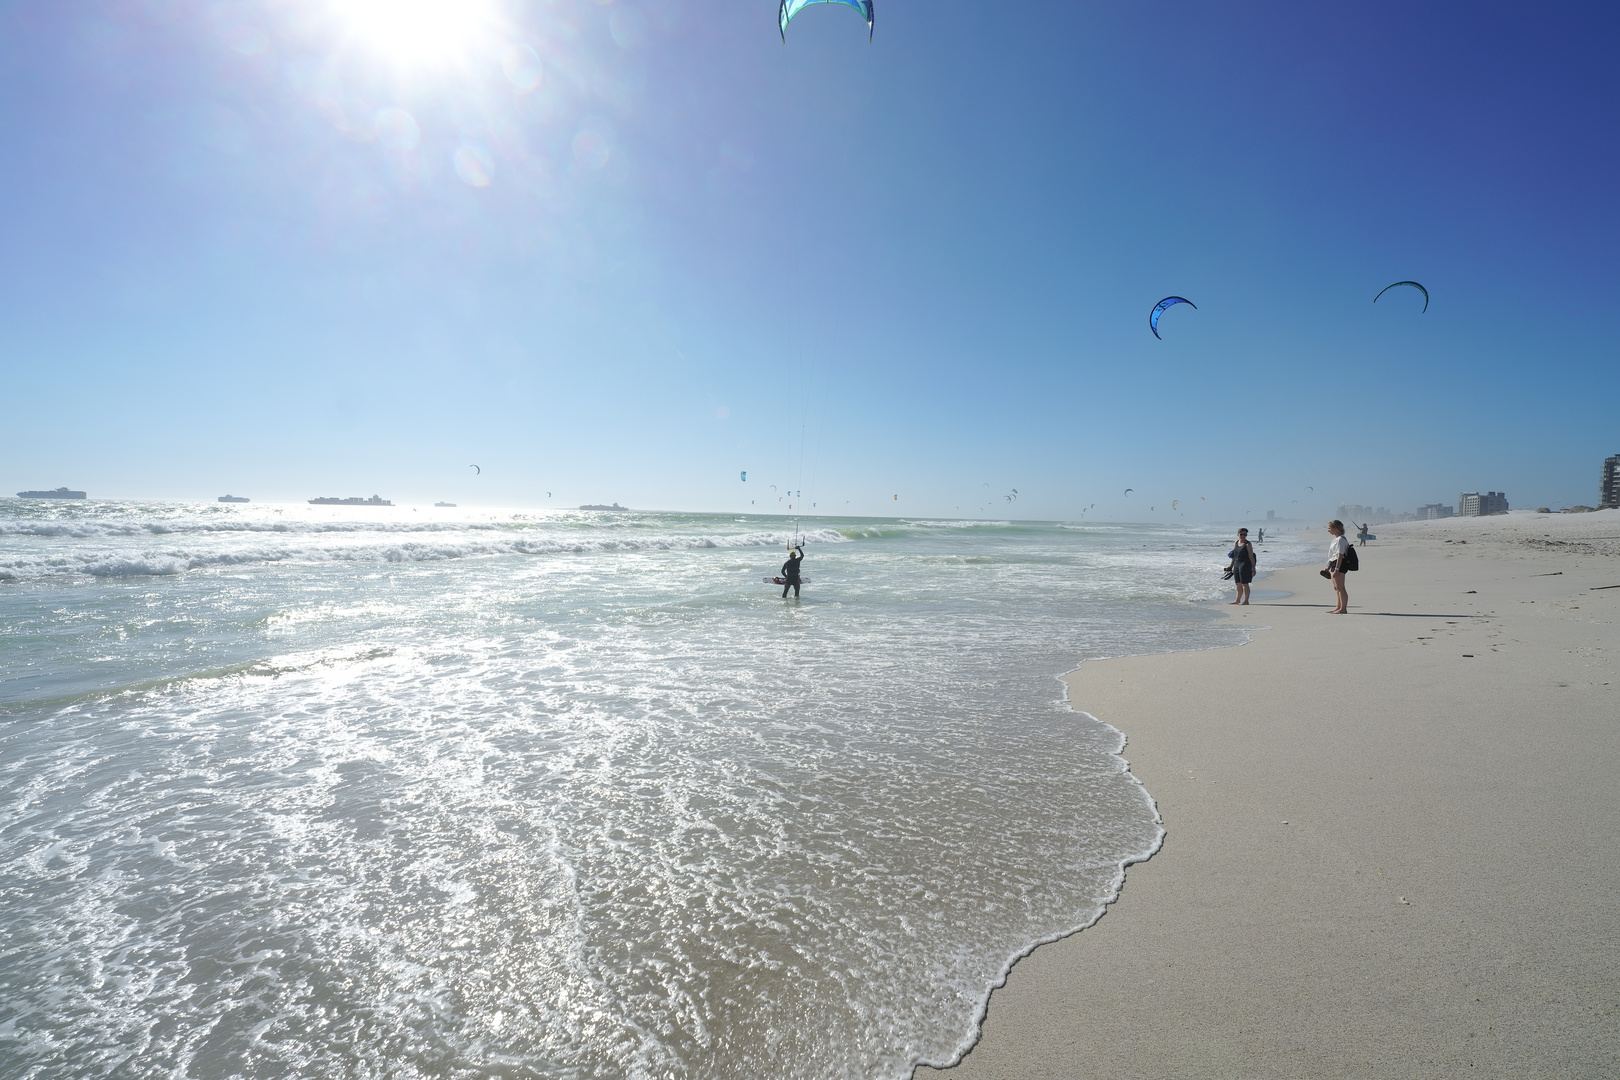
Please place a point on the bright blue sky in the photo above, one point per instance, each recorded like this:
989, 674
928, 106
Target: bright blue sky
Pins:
226, 267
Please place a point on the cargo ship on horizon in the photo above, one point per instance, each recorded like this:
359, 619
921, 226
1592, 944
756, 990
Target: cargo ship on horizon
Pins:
375, 500
59, 493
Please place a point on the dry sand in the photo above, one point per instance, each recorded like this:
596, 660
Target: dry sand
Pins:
1393, 840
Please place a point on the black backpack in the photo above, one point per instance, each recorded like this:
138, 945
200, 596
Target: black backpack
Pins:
1349, 561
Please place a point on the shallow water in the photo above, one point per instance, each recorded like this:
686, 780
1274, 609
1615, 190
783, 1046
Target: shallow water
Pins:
360, 792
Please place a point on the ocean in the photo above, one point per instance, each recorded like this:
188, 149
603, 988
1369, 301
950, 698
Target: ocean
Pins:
417, 792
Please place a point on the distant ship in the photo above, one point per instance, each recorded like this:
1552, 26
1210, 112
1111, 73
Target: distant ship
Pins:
444, 504
59, 493
234, 498
375, 500
615, 506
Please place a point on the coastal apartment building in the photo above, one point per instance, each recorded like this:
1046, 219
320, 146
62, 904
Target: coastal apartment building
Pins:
1473, 504
1609, 491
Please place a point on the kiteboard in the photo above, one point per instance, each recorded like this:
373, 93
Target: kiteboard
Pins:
784, 581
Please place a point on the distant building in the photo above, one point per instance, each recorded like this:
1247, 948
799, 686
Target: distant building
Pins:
1431, 511
1368, 515
1473, 504
1609, 492
1271, 515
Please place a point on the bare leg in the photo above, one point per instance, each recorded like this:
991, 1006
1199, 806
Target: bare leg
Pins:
1341, 594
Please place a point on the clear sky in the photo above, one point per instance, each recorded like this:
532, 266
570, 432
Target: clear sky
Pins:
625, 250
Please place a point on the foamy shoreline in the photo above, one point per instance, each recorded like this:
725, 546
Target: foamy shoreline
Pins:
1389, 835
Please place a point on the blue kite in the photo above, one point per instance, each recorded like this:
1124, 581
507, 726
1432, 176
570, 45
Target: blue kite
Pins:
1414, 285
790, 8
1159, 309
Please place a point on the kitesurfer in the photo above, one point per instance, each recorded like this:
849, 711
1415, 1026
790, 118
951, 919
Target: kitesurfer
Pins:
790, 572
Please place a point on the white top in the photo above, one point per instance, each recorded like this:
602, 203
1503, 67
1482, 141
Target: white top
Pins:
1338, 547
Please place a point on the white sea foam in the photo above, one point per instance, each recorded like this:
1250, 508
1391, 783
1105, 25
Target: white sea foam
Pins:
957, 524
554, 799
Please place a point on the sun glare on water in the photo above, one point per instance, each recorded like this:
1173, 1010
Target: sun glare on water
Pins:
417, 32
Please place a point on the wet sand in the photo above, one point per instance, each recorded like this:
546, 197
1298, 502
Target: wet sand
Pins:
1393, 840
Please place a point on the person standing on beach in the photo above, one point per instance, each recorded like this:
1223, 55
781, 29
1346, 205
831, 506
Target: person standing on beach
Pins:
1242, 565
790, 572
1334, 572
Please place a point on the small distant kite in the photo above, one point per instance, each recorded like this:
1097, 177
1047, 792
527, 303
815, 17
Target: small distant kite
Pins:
1309, 488
745, 476
897, 498
480, 471
1162, 306
790, 8
548, 494
1414, 285
1175, 504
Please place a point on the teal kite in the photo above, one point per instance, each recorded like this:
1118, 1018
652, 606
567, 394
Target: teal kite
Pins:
790, 8
1414, 285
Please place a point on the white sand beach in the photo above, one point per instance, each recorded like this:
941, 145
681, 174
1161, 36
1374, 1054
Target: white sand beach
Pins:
1392, 835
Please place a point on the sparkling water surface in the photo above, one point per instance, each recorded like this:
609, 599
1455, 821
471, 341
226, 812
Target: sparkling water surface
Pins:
395, 792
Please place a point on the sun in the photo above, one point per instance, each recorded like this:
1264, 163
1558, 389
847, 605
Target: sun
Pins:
417, 33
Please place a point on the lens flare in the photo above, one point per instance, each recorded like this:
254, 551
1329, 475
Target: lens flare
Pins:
591, 149
397, 129
474, 165
522, 66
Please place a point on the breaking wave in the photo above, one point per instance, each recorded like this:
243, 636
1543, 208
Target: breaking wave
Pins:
376, 545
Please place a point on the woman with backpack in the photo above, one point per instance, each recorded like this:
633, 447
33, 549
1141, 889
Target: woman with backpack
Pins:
1338, 560
1241, 568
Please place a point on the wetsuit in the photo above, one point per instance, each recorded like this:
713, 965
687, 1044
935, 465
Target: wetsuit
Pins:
790, 573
